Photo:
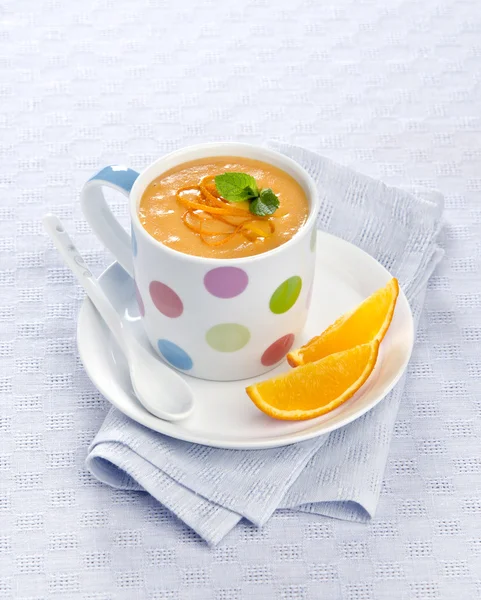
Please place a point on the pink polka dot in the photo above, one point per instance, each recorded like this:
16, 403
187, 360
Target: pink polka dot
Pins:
226, 282
166, 300
140, 302
277, 350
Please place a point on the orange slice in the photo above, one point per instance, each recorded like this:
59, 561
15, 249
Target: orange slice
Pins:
315, 388
369, 321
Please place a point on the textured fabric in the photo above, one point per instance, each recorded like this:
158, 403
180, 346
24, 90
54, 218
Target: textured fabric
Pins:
211, 489
389, 88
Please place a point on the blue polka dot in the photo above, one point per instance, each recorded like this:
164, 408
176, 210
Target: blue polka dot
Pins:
134, 242
173, 354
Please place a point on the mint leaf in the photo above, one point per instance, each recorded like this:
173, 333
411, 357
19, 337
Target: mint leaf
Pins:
266, 204
239, 187
236, 187
252, 192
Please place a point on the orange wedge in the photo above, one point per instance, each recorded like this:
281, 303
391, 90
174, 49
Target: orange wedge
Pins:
315, 388
369, 321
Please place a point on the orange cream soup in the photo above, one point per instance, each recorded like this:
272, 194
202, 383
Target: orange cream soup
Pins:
161, 213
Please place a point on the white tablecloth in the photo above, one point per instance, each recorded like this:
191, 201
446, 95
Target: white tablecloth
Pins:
392, 88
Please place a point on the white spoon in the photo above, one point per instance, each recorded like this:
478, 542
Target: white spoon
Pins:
158, 388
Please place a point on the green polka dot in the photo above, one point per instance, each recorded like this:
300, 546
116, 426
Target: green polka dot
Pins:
313, 239
228, 337
286, 295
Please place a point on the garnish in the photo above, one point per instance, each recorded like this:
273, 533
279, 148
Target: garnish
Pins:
209, 207
241, 187
236, 187
266, 204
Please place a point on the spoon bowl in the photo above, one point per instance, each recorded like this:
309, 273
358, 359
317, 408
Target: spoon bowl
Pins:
148, 377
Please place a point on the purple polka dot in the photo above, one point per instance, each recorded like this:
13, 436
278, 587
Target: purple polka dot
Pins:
140, 302
166, 300
226, 282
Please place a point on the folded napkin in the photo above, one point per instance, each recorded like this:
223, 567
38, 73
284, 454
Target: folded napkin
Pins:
212, 489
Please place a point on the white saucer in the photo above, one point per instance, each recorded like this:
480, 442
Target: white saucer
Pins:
224, 416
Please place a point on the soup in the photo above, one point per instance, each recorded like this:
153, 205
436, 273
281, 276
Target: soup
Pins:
186, 208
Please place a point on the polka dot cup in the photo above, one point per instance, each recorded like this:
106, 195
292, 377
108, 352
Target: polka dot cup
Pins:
218, 319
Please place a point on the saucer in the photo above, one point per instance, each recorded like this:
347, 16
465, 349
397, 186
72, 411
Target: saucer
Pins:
224, 416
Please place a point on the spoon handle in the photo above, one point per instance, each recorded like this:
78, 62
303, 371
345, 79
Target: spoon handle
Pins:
77, 265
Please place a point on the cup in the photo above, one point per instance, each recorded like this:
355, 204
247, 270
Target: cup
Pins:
217, 319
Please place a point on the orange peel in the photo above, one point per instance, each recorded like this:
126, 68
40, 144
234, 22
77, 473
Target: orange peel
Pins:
209, 206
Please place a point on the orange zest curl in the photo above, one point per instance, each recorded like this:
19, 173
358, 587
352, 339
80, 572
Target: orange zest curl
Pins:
210, 207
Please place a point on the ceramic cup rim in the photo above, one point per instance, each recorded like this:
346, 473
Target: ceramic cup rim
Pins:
218, 149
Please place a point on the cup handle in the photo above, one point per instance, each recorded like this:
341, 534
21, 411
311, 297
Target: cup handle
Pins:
99, 216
